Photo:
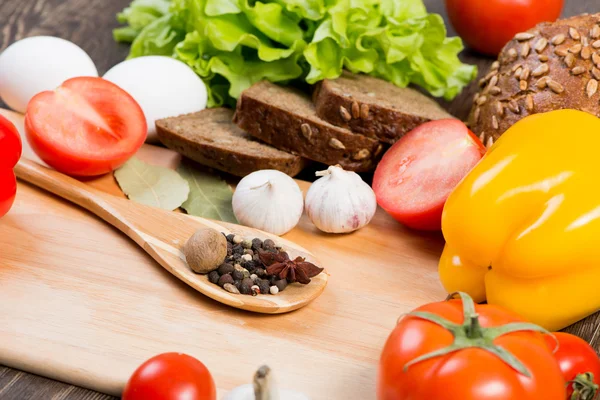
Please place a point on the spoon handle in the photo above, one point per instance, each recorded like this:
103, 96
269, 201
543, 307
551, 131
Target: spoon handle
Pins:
72, 190
56, 183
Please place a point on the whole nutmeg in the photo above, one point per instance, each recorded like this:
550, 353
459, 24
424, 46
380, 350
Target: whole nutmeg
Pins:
205, 250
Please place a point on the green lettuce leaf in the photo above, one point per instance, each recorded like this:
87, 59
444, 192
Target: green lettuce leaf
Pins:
232, 44
157, 38
137, 16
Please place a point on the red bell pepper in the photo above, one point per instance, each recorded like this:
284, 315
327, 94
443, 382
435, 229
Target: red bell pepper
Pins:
10, 152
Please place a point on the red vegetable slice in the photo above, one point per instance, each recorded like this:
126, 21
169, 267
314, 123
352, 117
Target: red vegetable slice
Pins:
88, 126
417, 174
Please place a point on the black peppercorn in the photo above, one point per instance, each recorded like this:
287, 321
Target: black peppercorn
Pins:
256, 258
273, 279
281, 284
225, 268
238, 249
245, 289
248, 265
230, 238
257, 244
225, 279
263, 285
213, 277
238, 272
269, 244
260, 272
237, 284
249, 281
229, 249
246, 285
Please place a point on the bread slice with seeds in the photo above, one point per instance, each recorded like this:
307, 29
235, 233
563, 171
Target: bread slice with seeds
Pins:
552, 66
211, 138
286, 118
373, 107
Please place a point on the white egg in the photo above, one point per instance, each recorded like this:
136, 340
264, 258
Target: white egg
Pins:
162, 86
39, 63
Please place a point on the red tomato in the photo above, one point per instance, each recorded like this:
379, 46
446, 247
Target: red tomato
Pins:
579, 364
10, 152
417, 174
486, 26
473, 369
86, 127
171, 376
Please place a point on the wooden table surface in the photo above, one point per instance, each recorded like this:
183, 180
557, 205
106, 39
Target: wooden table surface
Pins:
89, 23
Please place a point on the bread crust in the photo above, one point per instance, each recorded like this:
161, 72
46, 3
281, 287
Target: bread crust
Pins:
552, 66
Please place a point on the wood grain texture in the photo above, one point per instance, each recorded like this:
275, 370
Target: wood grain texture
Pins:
88, 23
88, 306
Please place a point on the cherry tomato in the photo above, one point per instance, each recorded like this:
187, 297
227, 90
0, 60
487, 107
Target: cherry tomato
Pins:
86, 127
486, 26
579, 364
10, 152
417, 174
472, 369
171, 376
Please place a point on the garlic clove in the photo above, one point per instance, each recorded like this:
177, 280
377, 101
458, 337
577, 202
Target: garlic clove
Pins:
263, 388
268, 200
340, 201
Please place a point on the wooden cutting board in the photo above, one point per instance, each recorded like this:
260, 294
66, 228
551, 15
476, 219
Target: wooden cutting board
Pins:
81, 303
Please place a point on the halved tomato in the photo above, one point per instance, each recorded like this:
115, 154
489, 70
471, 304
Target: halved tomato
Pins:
87, 126
417, 174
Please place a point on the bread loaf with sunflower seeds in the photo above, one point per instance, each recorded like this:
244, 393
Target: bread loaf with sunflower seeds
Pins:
552, 66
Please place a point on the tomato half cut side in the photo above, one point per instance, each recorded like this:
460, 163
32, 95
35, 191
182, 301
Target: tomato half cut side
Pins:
417, 174
86, 127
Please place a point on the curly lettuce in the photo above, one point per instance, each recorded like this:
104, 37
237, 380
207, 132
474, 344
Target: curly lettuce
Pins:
232, 44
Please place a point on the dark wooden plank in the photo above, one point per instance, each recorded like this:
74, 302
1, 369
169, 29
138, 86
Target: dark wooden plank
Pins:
17, 385
88, 23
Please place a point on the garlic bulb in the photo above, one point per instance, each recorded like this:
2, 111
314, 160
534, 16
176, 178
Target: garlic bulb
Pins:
263, 388
340, 201
268, 200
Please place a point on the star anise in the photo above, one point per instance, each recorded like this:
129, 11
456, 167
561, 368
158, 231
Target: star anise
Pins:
297, 270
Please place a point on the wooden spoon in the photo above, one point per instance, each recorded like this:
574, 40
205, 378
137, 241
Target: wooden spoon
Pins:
162, 234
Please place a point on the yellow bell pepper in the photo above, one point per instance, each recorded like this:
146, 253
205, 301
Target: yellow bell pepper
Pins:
522, 229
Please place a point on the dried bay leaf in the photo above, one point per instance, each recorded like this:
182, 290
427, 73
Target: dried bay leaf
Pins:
151, 185
210, 196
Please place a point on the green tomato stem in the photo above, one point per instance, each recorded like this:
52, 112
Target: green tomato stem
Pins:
584, 387
470, 334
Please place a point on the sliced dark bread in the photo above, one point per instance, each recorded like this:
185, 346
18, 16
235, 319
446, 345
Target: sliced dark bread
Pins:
211, 138
373, 107
286, 118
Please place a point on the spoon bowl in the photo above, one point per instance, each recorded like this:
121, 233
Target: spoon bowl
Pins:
162, 234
